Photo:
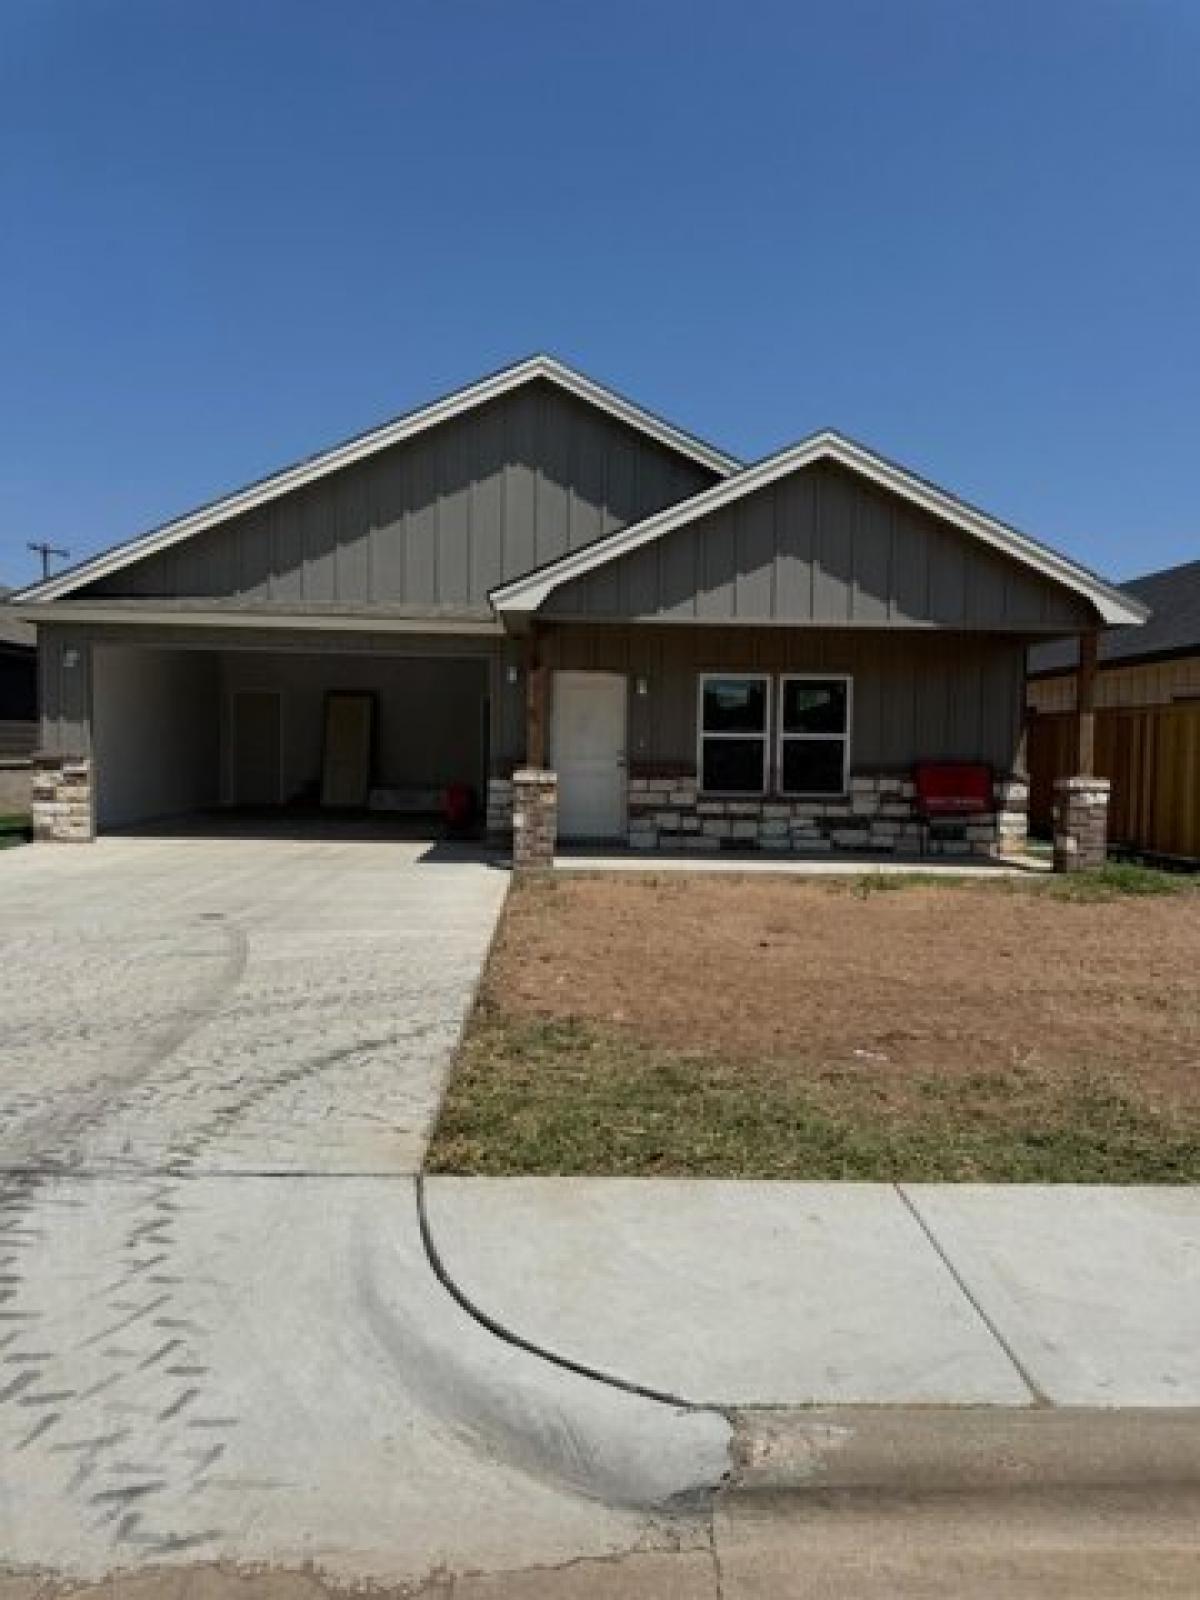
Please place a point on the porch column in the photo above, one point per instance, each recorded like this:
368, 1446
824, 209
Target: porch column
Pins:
535, 703
1085, 706
63, 799
1081, 800
535, 790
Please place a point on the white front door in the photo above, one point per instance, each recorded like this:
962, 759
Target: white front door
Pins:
588, 753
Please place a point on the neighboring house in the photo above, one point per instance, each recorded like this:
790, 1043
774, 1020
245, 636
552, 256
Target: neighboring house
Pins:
536, 572
1147, 700
1156, 664
18, 682
18, 709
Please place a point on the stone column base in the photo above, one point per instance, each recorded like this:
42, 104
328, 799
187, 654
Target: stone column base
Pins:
534, 819
1080, 823
63, 809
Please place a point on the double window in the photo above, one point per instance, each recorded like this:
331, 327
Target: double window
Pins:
811, 733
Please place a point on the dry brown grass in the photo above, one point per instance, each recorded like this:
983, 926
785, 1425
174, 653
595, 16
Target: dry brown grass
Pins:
825, 1027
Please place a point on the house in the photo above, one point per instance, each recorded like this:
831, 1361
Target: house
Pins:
18, 709
1147, 701
538, 590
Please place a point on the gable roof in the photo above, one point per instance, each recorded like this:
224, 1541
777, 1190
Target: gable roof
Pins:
1173, 596
526, 594
539, 367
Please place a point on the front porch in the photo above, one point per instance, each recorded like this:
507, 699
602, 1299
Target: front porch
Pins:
660, 736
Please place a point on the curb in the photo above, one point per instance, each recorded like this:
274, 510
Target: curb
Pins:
922, 1450
567, 1428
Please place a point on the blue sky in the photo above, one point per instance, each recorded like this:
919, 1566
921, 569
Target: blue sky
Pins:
234, 231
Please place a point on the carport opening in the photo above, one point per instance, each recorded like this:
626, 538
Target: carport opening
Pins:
236, 736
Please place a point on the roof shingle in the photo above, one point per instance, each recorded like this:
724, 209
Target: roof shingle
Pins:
1172, 628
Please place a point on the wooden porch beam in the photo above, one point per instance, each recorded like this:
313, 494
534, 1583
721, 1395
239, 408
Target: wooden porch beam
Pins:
535, 701
1085, 705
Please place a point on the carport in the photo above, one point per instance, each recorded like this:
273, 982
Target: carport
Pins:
181, 727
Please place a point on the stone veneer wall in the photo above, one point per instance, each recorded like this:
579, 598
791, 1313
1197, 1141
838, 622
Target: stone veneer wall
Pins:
878, 816
499, 809
63, 809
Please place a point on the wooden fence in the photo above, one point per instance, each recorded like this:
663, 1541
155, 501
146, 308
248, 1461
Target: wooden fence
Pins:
1150, 754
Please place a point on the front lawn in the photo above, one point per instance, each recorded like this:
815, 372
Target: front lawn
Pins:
884, 1028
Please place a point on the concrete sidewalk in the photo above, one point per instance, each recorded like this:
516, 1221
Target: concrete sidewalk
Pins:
748, 1295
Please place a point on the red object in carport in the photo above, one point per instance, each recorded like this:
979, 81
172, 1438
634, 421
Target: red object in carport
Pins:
953, 788
458, 805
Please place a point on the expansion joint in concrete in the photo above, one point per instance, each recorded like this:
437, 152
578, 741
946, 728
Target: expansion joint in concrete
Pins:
1038, 1394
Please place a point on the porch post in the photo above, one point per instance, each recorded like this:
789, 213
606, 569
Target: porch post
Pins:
535, 703
1085, 706
535, 790
1081, 799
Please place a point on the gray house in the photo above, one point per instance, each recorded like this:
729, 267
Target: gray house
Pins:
536, 575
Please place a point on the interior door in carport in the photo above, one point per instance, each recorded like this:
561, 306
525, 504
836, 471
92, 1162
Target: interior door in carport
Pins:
257, 753
349, 739
588, 749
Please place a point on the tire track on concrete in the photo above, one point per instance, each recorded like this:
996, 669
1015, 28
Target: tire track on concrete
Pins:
130, 1350
45, 1137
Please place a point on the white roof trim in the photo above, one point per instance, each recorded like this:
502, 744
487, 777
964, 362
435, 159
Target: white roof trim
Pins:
150, 615
525, 595
368, 444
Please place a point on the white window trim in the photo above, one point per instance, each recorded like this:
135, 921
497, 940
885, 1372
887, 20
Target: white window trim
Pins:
765, 736
781, 736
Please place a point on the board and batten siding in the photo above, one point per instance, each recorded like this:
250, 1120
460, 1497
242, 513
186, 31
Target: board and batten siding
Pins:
917, 695
821, 547
435, 521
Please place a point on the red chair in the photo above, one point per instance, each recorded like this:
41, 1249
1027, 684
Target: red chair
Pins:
949, 790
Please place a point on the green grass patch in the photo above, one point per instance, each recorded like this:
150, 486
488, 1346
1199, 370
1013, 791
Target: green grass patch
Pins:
1110, 882
1116, 879
564, 1097
14, 830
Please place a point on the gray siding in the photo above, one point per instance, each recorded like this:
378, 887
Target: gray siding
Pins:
436, 521
933, 695
64, 691
917, 695
822, 547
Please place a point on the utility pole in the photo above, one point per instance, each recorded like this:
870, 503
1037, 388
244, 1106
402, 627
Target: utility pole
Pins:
46, 551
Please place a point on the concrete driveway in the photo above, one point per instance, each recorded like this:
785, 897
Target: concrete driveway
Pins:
219, 1335
237, 1005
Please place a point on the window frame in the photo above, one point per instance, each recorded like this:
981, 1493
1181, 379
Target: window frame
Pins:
767, 680
845, 738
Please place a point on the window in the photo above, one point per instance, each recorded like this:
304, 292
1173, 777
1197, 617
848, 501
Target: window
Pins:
814, 735
734, 712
